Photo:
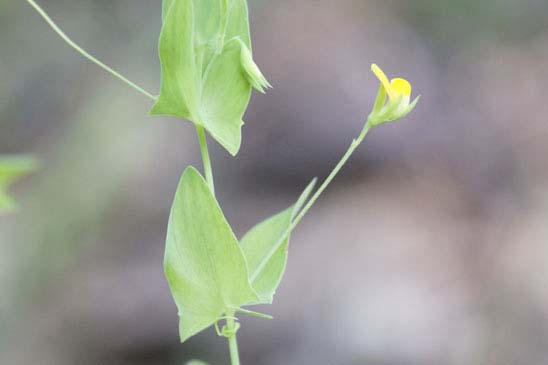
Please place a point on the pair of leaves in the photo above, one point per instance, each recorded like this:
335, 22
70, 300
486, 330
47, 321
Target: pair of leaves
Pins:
208, 271
12, 168
202, 47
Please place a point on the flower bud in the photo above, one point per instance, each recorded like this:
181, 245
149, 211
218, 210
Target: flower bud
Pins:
252, 71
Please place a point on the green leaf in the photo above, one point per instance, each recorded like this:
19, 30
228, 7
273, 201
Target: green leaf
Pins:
265, 248
180, 79
238, 21
13, 168
203, 78
207, 15
204, 264
165, 8
196, 362
207, 20
226, 93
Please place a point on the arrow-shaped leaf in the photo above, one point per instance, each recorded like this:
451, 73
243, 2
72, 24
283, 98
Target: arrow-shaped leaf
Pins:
180, 78
265, 248
204, 264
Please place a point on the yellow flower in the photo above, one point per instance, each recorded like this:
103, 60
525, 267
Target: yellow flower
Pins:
399, 102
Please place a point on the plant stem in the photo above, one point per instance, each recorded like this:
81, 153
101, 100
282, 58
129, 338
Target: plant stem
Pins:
232, 341
83, 52
205, 157
355, 143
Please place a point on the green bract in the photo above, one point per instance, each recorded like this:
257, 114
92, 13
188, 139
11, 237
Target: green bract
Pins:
207, 67
207, 269
12, 168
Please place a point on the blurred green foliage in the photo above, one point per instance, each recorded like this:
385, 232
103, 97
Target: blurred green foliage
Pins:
13, 168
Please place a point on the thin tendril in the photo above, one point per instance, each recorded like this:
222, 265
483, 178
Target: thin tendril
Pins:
84, 53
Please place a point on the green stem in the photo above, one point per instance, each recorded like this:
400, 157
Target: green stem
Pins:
205, 157
83, 52
355, 143
232, 341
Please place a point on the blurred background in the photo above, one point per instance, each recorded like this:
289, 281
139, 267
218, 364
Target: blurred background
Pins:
431, 247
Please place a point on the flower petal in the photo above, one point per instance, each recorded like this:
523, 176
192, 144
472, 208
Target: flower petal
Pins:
401, 87
383, 79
